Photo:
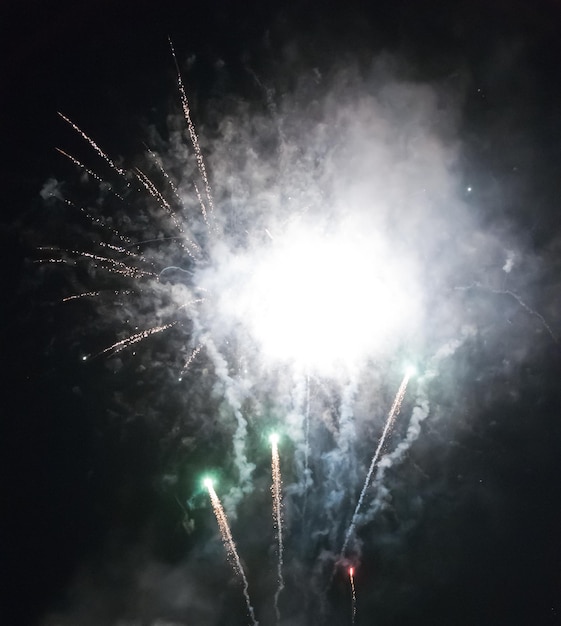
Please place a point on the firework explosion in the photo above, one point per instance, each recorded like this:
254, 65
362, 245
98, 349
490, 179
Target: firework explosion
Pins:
291, 264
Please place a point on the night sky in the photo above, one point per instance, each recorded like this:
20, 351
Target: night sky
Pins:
437, 122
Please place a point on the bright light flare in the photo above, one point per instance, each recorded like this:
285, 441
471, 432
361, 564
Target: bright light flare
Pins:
316, 298
410, 371
208, 483
274, 439
353, 594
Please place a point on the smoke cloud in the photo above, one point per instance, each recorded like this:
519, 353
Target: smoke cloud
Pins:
363, 159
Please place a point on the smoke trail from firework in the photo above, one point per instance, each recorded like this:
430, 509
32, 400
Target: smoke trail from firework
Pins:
512, 294
277, 515
353, 594
387, 427
229, 544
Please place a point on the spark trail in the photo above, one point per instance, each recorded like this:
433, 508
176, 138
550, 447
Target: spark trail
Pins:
191, 358
387, 427
95, 294
99, 222
80, 165
94, 145
276, 487
207, 215
229, 544
353, 594
85, 294
129, 341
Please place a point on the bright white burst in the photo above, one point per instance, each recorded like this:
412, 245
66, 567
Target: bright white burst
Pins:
319, 298
330, 242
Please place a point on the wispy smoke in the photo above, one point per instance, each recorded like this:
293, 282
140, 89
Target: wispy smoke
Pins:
365, 152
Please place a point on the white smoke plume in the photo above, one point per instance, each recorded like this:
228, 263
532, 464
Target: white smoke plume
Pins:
343, 245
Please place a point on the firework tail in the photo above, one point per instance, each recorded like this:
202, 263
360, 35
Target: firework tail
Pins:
207, 215
276, 492
387, 427
353, 594
230, 546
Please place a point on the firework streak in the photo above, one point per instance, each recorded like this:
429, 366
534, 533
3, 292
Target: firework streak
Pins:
394, 411
353, 593
230, 546
276, 487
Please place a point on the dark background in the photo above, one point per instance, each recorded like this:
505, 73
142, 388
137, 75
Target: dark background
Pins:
78, 484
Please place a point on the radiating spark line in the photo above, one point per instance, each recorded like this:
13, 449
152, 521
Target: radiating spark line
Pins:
175, 191
194, 139
202, 205
80, 165
353, 594
156, 194
127, 273
94, 145
86, 294
90, 172
97, 221
191, 303
168, 178
129, 341
51, 261
276, 492
124, 251
191, 358
95, 294
230, 546
115, 265
387, 427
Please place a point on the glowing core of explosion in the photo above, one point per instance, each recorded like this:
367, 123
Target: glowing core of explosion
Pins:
318, 298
